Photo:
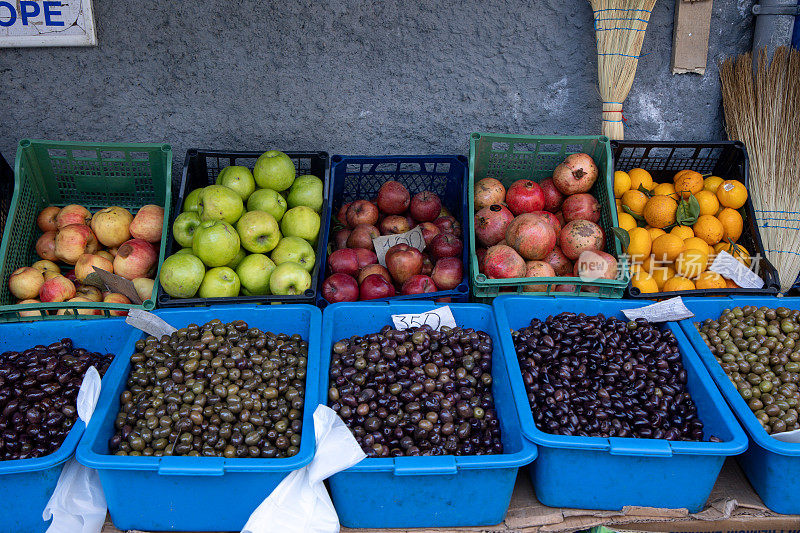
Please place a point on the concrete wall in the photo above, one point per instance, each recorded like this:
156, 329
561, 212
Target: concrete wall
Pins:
351, 76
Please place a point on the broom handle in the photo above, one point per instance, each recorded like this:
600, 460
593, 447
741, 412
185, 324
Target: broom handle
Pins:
613, 126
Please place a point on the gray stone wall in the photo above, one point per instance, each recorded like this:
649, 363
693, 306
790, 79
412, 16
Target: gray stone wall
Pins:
351, 76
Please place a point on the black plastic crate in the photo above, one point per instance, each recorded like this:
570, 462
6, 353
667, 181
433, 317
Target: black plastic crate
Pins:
727, 159
201, 168
360, 177
6, 191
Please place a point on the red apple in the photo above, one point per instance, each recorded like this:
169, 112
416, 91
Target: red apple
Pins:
342, 214
393, 198
502, 261
488, 191
582, 206
89, 292
57, 289
47, 218
136, 258
148, 223
365, 257
491, 224
340, 238
117, 298
429, 231
427, 265
418, 284
70, 275
448, 273
394, 224
425, 207
362, 212
46, 246
448, 224
72, 214
552, 196
340, 287
375, 286
374, 269
403, 261
344, 261
362, 235
74, 240
446, 245
86, 263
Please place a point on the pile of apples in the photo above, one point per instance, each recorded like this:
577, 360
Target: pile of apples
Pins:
354, 270
111, 239
250, 233
545, 229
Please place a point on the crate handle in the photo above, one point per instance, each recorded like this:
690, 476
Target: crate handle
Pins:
191, 466
639, 447
425, 466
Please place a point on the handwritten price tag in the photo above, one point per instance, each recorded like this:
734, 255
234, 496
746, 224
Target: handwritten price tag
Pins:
435, 318
728, 267
149, 323
412, 238
666, 311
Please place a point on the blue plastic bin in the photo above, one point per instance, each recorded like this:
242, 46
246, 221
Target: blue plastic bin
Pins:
27, 484
197, 493
772, 466
610, 473
360, 177
440, 491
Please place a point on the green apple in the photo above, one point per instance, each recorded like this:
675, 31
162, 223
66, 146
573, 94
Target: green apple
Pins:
239, 179
184, 251
184, 226
274, 170
220, 203
306, 190
216, 243
192, 201
238, 259
268, 201
254, 273
181, 275
289, 279
258, 231
301, 221
218, 283
294, 250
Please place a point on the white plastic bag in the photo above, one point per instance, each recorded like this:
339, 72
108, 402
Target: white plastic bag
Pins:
78, 504
300, 503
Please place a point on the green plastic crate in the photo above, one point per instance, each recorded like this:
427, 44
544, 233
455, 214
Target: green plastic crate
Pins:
509, 158
94, 175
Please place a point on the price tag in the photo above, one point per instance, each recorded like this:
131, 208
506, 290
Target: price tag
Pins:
666, 311
114, 283
788, 436
435, 318
412, 238
149, 323
728, 267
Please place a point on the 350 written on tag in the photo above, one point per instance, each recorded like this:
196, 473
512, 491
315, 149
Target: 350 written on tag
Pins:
435, 318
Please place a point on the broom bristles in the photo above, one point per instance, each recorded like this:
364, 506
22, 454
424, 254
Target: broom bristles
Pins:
761, 110
620, 27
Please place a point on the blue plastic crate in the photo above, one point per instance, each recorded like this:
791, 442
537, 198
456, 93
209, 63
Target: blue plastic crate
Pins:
772, 466
360, 177
27, 484
610, 473
197, 493
441, 491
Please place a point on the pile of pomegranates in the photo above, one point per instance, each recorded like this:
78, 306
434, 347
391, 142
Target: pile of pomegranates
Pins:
353, 269
546, 229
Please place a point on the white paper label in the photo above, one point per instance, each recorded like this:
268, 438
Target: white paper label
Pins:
666, 311
149, 323
412, 238
788, 436
435, 318
728, 267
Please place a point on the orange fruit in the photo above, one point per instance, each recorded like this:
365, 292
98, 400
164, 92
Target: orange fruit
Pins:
635, 201
684, 232
678, 283
640, 176
691, 263
736, 250
639, 247
688, 182
731, 193
712, 183
697, 243
622, 183
709, 228
732, 224
665, 189
651, 264
730, 284
643, 281
626, 221
662, 274
655, 233
659, 211
667, 247
709, 205
710, 280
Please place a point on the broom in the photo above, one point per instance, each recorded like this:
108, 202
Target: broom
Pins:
619, 26
763, 111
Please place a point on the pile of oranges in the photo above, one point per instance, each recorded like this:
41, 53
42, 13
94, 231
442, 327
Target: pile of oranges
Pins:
665, 254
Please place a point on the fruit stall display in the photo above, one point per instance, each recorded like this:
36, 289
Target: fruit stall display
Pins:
246, 229
77, 206
543, 218
681, 204
392, 195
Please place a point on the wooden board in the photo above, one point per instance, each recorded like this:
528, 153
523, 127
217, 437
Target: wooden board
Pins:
690, 36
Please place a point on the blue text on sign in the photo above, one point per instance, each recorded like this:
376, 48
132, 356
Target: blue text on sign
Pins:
29, 9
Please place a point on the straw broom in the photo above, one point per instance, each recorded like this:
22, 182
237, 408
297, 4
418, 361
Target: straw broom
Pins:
619, 26
762, 111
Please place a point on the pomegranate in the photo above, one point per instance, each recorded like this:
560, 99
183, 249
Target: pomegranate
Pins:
576, 174
580, 235
552, 196
592, 265
491, 223
502, 261
538, 269
524, 196
565, 288
552, 218
488, 191
531, 235
480, 253
560, 262
581, 206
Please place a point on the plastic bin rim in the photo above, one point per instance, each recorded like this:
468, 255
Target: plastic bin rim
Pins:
461, 462
736, 445
87, 457
89, 145
750, 423
338, 159
474, 136
60, 456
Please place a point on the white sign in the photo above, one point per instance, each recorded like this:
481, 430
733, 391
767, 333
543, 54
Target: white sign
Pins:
436, 318
412, 238
664, 311
149, 323
729, 267
46, 23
